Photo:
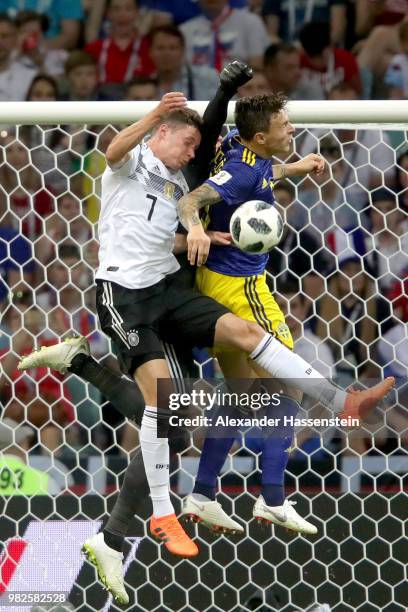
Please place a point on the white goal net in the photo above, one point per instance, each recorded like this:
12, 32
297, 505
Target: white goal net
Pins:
341, 276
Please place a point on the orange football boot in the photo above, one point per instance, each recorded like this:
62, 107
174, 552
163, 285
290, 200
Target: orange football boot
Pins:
168, 530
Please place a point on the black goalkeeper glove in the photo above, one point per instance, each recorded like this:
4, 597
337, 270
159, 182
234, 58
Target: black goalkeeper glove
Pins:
234, 75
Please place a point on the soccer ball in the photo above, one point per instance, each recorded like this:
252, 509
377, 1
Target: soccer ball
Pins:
256, 227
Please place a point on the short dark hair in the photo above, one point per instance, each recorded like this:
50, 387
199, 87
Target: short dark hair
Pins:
253, 114
343, 87
69, 250
273, 50
4, 18
383, 194
141, 80
286, 186
24, 17
108, 4
168, 30
78, 58
315, 37
181, 117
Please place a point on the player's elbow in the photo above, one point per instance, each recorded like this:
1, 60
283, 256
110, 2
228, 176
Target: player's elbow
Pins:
113, 155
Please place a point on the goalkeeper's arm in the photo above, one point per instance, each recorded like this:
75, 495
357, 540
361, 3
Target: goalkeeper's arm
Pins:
233, 76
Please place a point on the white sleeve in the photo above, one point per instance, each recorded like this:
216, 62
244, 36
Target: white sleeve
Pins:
124, 167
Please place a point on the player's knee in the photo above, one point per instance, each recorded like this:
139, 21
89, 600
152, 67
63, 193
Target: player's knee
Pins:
251, 336
238, 333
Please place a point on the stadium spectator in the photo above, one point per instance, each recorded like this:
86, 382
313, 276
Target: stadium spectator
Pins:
82, 76
16, 262
396, 76
257, 85
282, 70
223, 34
347, 316
376, 53
372, 13
301, 250
79, 228
401, 180
149, 17
368, 155
15, 77
325, 196
64, 19
18, 477
43, 88
22, 192
35, 397
308, 345
179, 11
285, 19
31, 29
124, 53
388, 252
173, 73
393, 345
323, 65
141, 88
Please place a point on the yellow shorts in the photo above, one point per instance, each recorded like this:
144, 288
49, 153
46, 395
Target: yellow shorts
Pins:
247, 297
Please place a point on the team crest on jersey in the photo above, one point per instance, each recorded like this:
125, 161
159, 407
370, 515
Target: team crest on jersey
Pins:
133, 337
169, 189
283, 331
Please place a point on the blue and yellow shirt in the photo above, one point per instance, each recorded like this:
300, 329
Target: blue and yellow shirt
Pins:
239, 175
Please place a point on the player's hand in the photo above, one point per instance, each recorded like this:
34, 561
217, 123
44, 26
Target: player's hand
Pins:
234, 75
198, 245
220, 238
311, 164
171, 101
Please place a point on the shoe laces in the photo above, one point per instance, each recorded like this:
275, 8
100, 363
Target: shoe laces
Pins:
174, 529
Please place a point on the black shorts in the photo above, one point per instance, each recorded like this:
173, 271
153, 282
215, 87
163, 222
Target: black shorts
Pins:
139, 320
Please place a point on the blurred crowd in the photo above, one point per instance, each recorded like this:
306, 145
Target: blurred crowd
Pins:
341, 270
140, 49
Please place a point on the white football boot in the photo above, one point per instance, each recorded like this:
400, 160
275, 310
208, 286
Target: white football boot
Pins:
108, 563
58, 356
210, 514
284, 516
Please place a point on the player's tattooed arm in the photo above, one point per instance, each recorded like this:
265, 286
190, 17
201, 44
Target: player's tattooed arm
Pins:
189, 206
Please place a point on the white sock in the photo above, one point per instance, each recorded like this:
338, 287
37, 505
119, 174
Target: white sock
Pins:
282, 363
156, 458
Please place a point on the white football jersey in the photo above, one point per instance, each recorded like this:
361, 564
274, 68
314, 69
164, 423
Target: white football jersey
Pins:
138, 220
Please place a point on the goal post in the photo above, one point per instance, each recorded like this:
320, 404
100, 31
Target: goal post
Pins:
385, 112
340, 273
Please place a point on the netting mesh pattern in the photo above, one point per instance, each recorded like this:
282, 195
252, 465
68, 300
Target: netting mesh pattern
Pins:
340, 274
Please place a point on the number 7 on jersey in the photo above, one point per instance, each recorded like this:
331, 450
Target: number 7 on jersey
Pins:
154, 200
